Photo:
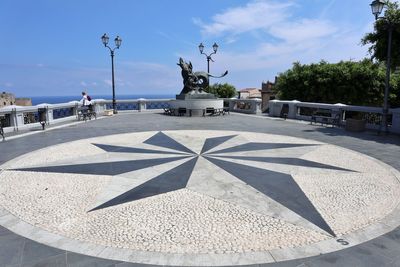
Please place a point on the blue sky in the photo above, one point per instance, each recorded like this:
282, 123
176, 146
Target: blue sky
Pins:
53, 47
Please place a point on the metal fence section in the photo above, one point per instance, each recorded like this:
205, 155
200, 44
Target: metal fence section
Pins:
14, 118
305, 111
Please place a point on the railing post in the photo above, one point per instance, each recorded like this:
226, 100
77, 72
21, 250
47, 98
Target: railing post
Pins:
76, 109
257, 104
16, 119
49, 114
395, 120
141, 104
292, 109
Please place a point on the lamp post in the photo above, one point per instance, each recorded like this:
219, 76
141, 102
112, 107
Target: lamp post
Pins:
215, 48
377, 7
118, 42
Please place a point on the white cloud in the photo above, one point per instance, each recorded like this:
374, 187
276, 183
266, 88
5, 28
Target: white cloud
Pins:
108, 82
254, 16
291, 38
302, 30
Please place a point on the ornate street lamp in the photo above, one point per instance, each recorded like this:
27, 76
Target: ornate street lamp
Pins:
201, 49
376, 8
118, 41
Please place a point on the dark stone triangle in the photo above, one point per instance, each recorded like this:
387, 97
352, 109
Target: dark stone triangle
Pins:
162, 140
210, 143
169, 181
288, 161
104, 168
122, 149
257, 146
278, 186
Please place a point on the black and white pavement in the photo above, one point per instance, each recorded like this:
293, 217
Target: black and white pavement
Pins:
231, 190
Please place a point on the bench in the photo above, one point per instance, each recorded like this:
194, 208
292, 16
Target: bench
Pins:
182, 111
213, 111
85, 113
325, 118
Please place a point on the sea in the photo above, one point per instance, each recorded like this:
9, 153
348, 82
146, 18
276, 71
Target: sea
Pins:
64, 99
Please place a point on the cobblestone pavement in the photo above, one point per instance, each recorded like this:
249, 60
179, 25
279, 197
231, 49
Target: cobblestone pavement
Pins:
348, 199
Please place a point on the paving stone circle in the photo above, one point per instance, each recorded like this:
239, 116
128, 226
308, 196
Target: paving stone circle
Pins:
199, 197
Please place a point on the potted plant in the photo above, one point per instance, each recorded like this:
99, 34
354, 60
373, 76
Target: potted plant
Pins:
356, 123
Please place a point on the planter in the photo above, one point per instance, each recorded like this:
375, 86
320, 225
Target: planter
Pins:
108, 112
355, 125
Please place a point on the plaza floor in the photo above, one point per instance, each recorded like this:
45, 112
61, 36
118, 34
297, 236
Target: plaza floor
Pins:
142, 189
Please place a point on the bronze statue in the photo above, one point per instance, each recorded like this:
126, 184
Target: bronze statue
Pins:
194, 83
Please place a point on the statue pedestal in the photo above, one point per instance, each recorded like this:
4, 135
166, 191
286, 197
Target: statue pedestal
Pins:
195, 107
194, 95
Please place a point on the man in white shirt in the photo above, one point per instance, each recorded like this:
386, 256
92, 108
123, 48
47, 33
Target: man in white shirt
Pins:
84, 101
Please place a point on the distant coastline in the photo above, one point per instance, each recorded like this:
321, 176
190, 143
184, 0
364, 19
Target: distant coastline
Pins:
64, 99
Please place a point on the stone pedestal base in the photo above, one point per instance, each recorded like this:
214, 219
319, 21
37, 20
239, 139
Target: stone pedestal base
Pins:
202, 95
195, 107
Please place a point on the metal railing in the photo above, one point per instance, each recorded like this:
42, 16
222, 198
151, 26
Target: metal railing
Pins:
305, 110
14, 118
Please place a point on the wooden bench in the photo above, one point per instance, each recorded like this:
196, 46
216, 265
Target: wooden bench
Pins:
323, 117
213, 111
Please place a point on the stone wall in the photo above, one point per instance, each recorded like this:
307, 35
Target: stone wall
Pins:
23, 101
6, 99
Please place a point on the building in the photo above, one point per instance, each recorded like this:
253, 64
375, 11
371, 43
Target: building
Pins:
7, 99
249, 93
267, 94
23, 101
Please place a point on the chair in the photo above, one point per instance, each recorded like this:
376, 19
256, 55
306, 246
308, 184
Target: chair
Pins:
225, 110
210, 111
181, 111
167, 111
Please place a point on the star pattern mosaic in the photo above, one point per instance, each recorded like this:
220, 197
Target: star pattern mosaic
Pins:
277, 185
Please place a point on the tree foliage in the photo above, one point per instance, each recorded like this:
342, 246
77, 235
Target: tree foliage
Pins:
353, 83
222, 90
347, 82
378, 39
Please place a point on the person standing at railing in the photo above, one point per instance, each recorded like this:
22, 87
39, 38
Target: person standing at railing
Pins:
87, 107
86, 101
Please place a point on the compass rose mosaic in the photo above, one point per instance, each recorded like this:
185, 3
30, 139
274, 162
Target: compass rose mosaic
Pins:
188, 193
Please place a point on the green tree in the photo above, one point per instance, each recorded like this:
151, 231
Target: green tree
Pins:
378, 39
394, 94
347, 82
222, 90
